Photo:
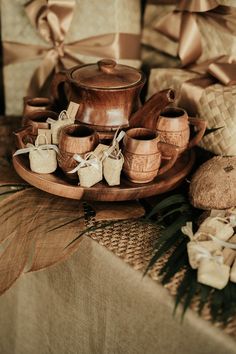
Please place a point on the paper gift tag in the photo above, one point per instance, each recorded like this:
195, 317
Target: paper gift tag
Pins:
194, 254
213, 274
72, 110
112, 169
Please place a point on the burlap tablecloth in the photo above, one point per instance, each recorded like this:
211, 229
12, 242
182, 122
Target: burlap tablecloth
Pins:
95, 303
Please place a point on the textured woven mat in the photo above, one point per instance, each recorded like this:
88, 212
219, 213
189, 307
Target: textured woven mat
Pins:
133, 241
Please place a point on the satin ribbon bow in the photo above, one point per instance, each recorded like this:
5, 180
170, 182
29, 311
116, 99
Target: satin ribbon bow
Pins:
36, 147
181, 25
86, 162
202, 252
218, 70
52, 20
188, 231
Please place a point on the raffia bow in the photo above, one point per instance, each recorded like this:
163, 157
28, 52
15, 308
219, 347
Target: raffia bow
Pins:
52, 19
181, 25
86, 162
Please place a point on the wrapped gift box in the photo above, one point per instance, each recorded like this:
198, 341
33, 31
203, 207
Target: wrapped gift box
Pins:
200, 96
206, 33
97, 29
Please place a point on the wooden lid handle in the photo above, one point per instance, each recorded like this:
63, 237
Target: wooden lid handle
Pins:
107, 65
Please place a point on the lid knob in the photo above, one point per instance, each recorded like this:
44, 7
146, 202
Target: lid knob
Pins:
107, 65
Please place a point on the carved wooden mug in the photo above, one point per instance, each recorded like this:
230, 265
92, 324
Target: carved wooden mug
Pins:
75, 139
143, 152
173, 128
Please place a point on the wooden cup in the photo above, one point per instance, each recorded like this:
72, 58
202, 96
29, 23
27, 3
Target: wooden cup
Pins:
36, 104
38, 120
75, 139
143, 150
173, 128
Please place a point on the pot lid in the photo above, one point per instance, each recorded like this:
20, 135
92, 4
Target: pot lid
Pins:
107, 74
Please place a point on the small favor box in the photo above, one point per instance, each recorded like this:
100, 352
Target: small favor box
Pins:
83, 32
213, 274
112, 169
193, 251
43, 161
90, 175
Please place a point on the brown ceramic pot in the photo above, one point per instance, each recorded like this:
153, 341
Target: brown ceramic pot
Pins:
75, 139
36, 104
108, 94
173, 128
143, 152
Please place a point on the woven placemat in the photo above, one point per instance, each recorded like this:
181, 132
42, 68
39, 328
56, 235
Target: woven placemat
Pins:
133, 241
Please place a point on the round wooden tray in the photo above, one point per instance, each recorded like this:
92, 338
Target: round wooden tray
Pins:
57, 184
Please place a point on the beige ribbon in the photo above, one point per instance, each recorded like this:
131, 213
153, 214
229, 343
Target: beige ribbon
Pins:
87, 162
37, 147
219, 70
52, 19
181, 25
188, 231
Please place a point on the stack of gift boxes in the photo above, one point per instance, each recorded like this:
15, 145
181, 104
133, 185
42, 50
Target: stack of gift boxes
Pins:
201, 36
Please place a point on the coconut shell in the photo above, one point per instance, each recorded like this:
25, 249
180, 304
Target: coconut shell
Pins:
213, 186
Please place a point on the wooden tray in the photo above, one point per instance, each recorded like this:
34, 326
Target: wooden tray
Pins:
57, 184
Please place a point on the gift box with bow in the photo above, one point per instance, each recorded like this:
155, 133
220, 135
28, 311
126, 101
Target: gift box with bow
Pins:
208, 91
193, 31
41, 37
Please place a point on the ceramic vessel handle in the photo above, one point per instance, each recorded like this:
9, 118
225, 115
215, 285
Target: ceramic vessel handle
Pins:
57, 87
21, 134
200, 124
107, 65
169, 150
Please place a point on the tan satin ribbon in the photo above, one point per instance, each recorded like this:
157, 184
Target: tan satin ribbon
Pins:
181, 25
219, 70
52, 20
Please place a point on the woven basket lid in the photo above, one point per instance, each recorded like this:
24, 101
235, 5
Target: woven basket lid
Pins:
213, 186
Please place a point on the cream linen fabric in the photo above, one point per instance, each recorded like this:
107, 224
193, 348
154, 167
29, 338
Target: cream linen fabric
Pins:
95, 303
